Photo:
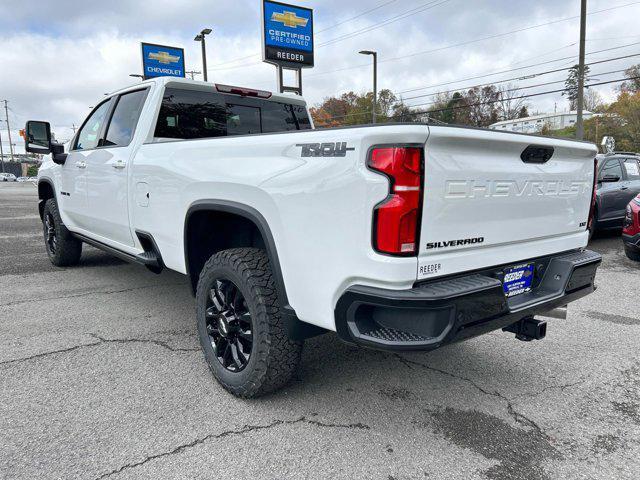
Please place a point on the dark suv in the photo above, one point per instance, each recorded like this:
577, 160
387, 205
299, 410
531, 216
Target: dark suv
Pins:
618, 183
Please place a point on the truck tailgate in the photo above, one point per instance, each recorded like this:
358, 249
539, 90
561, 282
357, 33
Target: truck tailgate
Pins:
484, 205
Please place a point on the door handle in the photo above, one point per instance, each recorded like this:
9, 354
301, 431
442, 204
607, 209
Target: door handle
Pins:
119, 165
624, 188
81, 164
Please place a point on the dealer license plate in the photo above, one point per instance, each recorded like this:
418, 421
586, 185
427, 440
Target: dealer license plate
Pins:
517, 280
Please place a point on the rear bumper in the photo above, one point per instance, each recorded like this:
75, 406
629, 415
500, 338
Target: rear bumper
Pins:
450, 310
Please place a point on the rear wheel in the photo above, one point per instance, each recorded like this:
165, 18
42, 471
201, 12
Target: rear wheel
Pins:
632, 254
62, 247
240, 326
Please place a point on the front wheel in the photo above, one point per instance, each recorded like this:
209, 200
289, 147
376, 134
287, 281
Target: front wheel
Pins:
240, 325
62, 247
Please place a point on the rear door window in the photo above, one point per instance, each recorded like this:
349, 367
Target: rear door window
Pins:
125, 118
631, 168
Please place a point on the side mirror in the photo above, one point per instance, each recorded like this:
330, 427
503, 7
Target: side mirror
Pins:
37, 137
610, 179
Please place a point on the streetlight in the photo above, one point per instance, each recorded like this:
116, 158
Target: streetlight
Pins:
200, 38
375, 79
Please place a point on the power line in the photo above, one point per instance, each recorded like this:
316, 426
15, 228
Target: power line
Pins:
527, 77
490, 102
515, 89
524, 68
384, 23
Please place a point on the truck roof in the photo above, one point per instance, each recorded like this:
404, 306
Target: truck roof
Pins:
200, 85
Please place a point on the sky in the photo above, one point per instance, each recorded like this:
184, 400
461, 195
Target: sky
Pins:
57, 59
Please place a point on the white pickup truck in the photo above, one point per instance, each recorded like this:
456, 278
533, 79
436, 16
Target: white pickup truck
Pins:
396, 236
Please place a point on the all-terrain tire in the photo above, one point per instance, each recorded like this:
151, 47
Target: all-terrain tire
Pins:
632, 254
62, 247
274, 358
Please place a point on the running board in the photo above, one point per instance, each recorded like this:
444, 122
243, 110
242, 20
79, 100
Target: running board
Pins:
149, 259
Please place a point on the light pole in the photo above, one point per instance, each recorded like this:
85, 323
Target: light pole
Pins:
200, 38
375, 79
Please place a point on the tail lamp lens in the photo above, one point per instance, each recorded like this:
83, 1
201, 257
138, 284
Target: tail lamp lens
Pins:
397, 218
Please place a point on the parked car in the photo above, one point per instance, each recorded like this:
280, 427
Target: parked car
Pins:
618, 183
631, 231
396, 237
7, 177
22, 179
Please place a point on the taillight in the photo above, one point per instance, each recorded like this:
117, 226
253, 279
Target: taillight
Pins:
396, 220
592, 210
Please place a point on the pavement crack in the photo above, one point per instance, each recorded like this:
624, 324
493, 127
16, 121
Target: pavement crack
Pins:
517, 417
100, 341
84, 294
159, 343
45, 354
227, 433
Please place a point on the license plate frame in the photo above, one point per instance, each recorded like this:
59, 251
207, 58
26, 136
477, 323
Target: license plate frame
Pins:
518, 279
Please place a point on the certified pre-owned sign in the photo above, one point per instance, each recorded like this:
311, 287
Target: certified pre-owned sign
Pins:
287, 34
162, 61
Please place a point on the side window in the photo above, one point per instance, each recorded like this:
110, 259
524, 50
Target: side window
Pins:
631, 167
187, 114
243, 120
89, 134
611, 168
125, 118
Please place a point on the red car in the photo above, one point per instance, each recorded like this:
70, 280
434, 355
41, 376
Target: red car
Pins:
631, 232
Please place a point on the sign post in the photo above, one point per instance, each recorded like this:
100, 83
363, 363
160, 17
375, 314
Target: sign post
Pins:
287, 34
162, 61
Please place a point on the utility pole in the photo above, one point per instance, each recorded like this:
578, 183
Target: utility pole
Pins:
200, 38
375, 80
6, 111
73, 127
1, 152
580, 102
192, 73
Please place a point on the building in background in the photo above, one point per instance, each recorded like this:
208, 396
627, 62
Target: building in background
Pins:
535, 123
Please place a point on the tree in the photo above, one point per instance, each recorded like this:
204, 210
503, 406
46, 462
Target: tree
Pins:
511, 105
482, 106
593, 101
632, 85
571, 85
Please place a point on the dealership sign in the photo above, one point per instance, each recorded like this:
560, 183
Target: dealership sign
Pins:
162, 61
287, 32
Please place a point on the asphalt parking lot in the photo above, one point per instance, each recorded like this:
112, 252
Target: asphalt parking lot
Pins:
101, 376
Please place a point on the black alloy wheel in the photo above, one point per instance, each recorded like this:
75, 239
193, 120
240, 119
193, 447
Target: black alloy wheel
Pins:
50, 237
229, 325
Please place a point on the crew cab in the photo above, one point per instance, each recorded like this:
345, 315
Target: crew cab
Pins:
395, 236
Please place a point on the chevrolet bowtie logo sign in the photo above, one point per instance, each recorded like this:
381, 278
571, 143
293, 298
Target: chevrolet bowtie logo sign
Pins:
164, 57
289, 19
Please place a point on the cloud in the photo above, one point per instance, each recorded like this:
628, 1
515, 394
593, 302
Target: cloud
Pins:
59, 58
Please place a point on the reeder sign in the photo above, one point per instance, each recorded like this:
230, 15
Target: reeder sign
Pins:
162, 61
287, 32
